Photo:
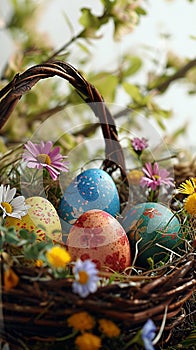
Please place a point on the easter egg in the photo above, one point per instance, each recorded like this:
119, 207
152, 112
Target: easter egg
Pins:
157, 229
92, 189
98, 236
42, 218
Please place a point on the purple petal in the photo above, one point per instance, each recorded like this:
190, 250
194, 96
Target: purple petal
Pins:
148, 334
27, 157
46, 147
32, 148
57, 158
154, 185
156, 169
145, 181
34, 164
60, 166
53, 172
55, 152
30, 159
163, 173
139, 144
148, 169
80, 289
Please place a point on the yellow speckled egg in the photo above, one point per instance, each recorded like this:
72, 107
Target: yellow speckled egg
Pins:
41, 218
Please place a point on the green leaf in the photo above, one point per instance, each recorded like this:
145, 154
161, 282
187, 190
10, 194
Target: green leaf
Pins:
91, 23
133, 91
106, 83
135, 63
190, 340
88, 20
69, 23
84, 48
158, 119
140, 11
31, 98
180, 131
192, 92
108, 4
2, 240
32, 251
11, 237
28, 236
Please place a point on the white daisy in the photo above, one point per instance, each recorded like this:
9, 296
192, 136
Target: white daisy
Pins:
86, 277
11, 206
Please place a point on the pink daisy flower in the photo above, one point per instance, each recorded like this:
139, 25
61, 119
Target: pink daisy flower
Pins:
41, 155
155, 177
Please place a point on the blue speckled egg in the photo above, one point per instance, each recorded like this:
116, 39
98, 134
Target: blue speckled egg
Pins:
92, 189
158, 229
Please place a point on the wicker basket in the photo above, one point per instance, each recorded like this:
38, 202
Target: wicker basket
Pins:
34, 314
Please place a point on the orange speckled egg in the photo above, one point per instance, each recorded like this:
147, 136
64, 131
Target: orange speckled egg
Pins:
98, 236
41, 218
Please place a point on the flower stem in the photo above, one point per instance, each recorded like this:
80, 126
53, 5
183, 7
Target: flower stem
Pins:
63, 47
153, 195
69, 336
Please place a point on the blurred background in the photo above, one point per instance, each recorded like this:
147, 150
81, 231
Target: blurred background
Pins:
139, 54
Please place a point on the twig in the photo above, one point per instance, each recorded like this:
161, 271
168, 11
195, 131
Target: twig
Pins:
156, 339
136, 251
178, 75
169, 250
63, 47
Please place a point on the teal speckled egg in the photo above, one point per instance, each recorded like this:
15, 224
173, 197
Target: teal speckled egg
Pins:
158, 229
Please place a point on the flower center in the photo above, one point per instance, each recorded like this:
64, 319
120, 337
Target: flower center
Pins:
156, 177
44, 158
83, 277
7, 206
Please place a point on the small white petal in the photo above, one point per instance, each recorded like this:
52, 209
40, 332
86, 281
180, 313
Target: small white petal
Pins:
4, 214
14, 215
9, 194
1, 193
18, 202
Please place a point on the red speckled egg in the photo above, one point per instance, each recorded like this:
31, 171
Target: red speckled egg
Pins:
98, 236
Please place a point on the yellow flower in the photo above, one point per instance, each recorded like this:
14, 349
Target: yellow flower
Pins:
58, 257
88, 341
134, 176
109, 328
10, 279
39, 263
188, 187
81, 321
190, 204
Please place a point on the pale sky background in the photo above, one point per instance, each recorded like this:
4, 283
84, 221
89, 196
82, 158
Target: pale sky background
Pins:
176, 18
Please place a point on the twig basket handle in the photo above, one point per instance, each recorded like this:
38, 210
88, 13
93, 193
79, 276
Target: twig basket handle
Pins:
22, 83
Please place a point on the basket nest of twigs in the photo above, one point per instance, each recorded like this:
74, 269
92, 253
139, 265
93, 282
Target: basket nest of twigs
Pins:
37, 309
